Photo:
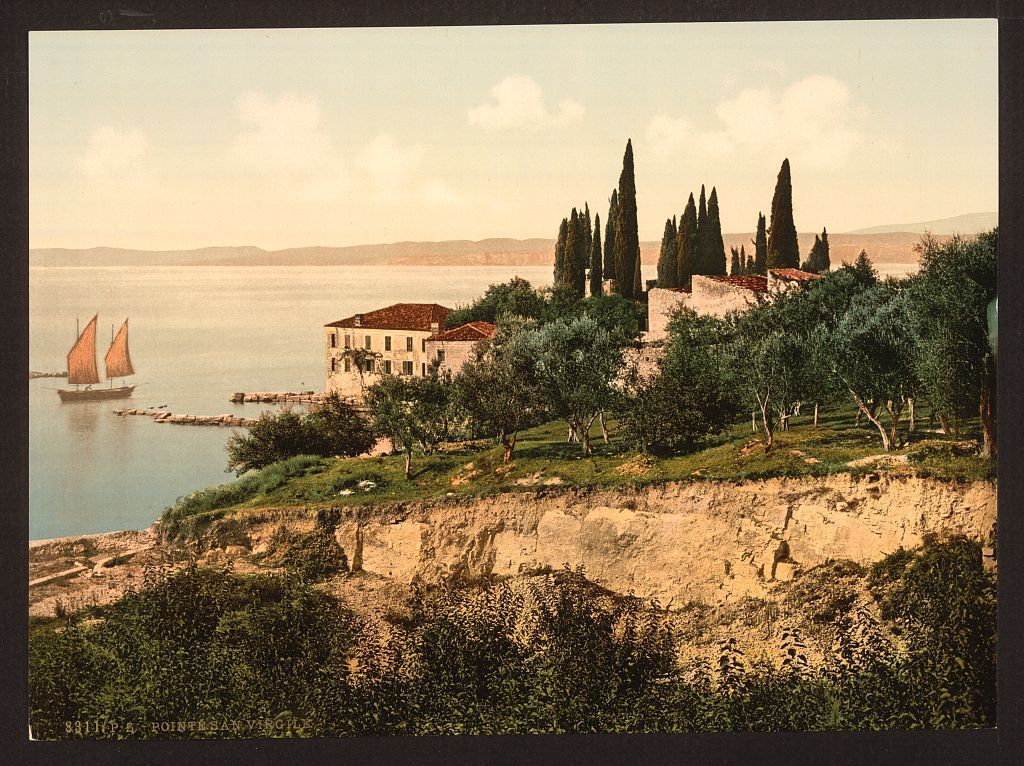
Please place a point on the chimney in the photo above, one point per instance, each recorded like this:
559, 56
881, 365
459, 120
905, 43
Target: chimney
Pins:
357, 320
434, 327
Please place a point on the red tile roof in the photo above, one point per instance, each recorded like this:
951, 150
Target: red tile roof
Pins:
796, 274
400, 316
754, 283
474, 332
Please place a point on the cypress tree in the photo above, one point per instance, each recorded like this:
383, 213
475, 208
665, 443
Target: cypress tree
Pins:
749, 268
825, 262
563, 232
715, 244
734, 263
638, 285
574, 274
627, 239
609, 235
686, 243
667, 256
587, 225
745, 261
761, 247
783, 249
595, 257
811, 264
700, 261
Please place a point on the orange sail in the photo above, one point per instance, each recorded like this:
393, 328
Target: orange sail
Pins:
117, 360
82, 357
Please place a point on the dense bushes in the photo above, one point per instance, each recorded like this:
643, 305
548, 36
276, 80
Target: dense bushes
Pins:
333, 428
549, 653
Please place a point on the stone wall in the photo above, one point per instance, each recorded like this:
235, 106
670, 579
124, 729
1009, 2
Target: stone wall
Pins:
661, 303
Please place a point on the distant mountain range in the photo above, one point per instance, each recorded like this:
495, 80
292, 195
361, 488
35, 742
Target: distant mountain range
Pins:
884, 244
968, 224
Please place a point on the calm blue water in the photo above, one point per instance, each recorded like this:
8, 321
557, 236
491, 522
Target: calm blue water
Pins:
196, 335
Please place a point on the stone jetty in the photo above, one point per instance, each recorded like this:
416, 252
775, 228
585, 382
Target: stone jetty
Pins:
33, 374
162, 416
277, 397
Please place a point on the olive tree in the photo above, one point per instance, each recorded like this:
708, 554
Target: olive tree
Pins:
575, 363
498, 387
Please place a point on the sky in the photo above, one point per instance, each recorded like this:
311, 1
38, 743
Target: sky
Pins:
176, 139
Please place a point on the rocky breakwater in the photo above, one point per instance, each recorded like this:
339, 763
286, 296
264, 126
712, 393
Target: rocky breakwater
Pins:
713, 542
163, 416
277, 397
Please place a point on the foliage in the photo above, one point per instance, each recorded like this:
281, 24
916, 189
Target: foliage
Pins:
667, 255
949, 299
252, 484
497, 387
515, 297
627, 240
871, 351
686, 244
689, 398
609, 235
198, 645
560, 252
543, 653
576, 361
818, 261
760, 242
701, 246
332, 428
783, 248
596, 283
316, 555
714, 256
415, 412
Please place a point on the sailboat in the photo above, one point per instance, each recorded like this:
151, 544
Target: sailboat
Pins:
82, 366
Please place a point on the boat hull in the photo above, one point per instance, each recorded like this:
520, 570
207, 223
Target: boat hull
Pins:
93, 394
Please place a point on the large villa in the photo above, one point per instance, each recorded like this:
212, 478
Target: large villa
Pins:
401, 339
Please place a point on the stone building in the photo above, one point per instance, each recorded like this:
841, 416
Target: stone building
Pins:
453, 348
387, 341
717, 296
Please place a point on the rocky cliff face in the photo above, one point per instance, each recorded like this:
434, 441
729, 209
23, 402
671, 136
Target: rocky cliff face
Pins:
713, 542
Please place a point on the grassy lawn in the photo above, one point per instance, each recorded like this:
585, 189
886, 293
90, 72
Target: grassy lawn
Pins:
544, 460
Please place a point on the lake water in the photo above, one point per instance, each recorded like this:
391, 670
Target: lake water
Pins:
196, 334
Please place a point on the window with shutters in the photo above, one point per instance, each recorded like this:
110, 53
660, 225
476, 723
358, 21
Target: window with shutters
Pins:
407, 368
334, 340
408, 343
387, 342
348, 341
348, 365
387, 366
367, 344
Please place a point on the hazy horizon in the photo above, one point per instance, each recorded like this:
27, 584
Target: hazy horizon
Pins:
176, 140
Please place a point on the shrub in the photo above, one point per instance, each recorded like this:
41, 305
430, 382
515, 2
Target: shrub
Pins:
333, 428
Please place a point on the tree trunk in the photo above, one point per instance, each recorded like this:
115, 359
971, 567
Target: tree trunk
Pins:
604, 428
886, 443
815, 414
753, 421
945, 425
913, 418
509, 443
987, 407
895, 410
408, 463
585, 432
769, 428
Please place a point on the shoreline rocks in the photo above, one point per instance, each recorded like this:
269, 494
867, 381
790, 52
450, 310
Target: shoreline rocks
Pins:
276, 397
163, 416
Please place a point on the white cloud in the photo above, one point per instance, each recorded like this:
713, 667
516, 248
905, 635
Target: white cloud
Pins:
390, 166
439, 194
116, 155
518, 102
811, 121
283, 134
